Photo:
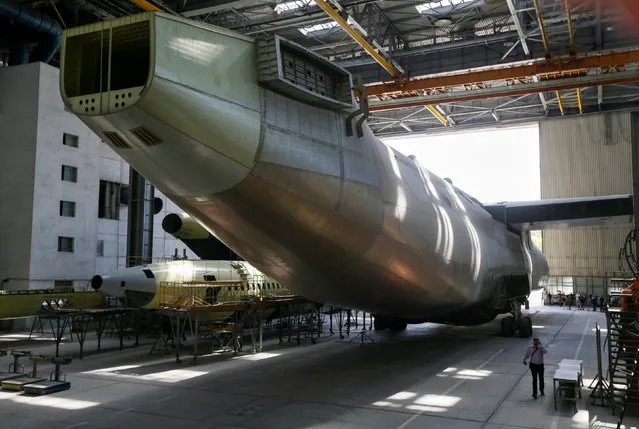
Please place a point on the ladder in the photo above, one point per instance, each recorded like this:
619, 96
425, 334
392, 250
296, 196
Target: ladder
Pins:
557, 26
244, 273
623, 355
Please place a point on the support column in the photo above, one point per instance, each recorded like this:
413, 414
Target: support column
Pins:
635, 173
140, 221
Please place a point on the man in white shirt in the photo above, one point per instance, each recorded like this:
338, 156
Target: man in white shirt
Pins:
536, 355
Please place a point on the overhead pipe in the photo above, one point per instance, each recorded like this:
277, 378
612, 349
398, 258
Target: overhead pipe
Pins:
38, 22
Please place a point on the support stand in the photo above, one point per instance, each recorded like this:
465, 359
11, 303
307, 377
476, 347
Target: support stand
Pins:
363, 337
601, 389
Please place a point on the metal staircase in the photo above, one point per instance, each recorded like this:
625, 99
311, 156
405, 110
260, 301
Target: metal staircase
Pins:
558, 21
623, 354
244, 273
554, 25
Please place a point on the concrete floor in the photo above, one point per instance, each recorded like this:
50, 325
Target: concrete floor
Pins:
430, 376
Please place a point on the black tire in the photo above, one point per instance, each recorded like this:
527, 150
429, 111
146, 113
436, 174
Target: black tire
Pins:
380, 323
527, 305
508, 326
525, 327
399, 325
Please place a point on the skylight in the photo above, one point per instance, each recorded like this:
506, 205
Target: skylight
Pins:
443, 5
290, 6
325, 26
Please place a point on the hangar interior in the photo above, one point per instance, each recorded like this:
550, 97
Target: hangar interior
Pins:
422, 67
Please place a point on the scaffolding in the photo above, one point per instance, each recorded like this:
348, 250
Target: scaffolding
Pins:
623, 355
77, 323
219, 312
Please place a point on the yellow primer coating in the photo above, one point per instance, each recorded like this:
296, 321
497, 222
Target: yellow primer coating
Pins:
579, 101
542, 28
29, 302
438, 115
146, 5
561, 103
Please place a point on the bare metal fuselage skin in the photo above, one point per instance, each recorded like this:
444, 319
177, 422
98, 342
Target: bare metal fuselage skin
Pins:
338, 219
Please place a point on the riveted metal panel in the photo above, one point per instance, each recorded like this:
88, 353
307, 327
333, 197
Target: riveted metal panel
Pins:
585, 157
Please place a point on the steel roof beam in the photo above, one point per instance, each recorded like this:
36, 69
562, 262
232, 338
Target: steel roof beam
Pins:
509, 91
236, 4
433, 110
373, 48
445, 47
518, 27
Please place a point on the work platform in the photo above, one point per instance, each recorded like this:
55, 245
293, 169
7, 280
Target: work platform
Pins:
218, 312
77, 323
430, 376
24, 303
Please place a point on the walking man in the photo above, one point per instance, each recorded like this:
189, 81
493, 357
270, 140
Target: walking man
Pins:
536, 355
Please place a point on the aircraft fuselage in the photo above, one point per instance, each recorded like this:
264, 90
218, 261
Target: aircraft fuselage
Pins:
339, 219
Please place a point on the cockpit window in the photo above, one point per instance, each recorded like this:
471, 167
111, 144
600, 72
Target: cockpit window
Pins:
149, 274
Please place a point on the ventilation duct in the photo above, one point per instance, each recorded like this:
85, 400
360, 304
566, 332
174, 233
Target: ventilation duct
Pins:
146, 136
116, 140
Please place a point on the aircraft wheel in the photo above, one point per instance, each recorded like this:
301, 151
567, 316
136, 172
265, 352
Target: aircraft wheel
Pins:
508, 326
525, 327
399, 325
380, 323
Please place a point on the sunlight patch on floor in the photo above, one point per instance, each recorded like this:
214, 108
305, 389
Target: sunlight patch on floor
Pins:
258, 356
54, 402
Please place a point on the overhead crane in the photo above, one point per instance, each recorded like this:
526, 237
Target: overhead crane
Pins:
529, 77
522, 78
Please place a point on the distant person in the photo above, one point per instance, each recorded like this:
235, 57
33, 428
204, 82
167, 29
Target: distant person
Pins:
594, 303
549, 299
571, 297
602, 304
536, 355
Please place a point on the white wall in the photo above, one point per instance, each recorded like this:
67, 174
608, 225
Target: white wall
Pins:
586, 156
32, 123
18, 131
53, 121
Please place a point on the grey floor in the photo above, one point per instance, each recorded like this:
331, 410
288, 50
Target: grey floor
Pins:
430, 376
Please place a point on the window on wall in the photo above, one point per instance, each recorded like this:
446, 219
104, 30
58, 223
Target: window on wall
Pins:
65, 244
100, 248
109, 200
69, 174
70, 140
67, 208
63, 283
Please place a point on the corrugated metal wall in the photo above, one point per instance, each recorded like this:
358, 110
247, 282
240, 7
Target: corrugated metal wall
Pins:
583, 157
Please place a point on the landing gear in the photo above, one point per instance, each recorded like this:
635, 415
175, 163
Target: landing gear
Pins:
508, 326
517, 322
525, 327
398, 325
392, 323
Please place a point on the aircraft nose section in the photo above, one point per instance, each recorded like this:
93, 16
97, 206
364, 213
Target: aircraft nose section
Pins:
96, 282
